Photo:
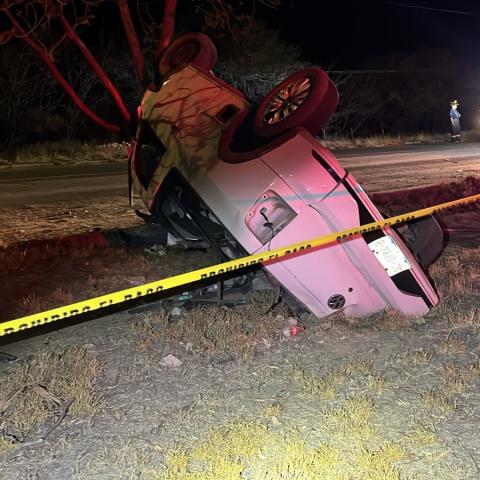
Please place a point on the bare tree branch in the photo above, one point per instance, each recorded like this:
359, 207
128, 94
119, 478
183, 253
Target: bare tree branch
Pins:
46, 57
95, 66
132, 38
168, 26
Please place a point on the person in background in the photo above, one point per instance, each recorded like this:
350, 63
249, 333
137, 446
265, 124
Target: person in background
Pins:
455, 121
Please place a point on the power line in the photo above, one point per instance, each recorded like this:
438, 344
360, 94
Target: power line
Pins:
370, 72
433, 9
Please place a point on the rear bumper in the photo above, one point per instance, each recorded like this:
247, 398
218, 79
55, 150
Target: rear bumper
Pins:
347, 270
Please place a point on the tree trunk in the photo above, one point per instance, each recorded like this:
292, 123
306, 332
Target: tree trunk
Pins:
168, 27
98, 70
46, 58
132, 38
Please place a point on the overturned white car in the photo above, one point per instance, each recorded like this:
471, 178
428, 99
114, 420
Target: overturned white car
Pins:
248, 178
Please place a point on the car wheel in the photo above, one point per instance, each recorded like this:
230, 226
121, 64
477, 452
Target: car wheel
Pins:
307, 98
194, 48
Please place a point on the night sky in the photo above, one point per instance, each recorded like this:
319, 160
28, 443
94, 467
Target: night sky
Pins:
348, 33
372, 38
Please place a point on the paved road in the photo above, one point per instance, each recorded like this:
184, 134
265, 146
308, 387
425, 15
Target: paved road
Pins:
48, 184
376, 169
412, 165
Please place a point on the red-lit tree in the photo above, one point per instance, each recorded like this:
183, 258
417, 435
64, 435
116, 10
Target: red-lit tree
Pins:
44, 25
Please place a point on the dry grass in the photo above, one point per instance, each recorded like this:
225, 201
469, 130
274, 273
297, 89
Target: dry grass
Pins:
34, 302
324, 387
457, 278
128, 458
458, 379
472, 372
68, 376
290, 458
237, 333
392, 140
146, 334
382, 140
272, 411
66, 152
359, 367
380, 464
440, 401
248, 450
457, 274
62, 218
418, 358
457, 315
455, 380
242, 440
421, 435
352, 419
5, 445
451, 345
376, 384
392, 320
277, 457
344, 440
224, 454
328, 385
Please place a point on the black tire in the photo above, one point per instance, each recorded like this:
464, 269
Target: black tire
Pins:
424, 237
193, 48
306, 99
239, 143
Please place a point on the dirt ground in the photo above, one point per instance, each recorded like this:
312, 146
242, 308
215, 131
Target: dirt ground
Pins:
45, 221
384, 398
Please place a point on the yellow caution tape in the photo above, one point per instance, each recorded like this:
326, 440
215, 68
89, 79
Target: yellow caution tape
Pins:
128, 294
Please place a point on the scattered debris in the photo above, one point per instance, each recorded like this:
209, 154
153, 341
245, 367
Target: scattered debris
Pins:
170, 361
37, 393
158, 250
291, 327
136, 280
176, 312
6, 357
54, 404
